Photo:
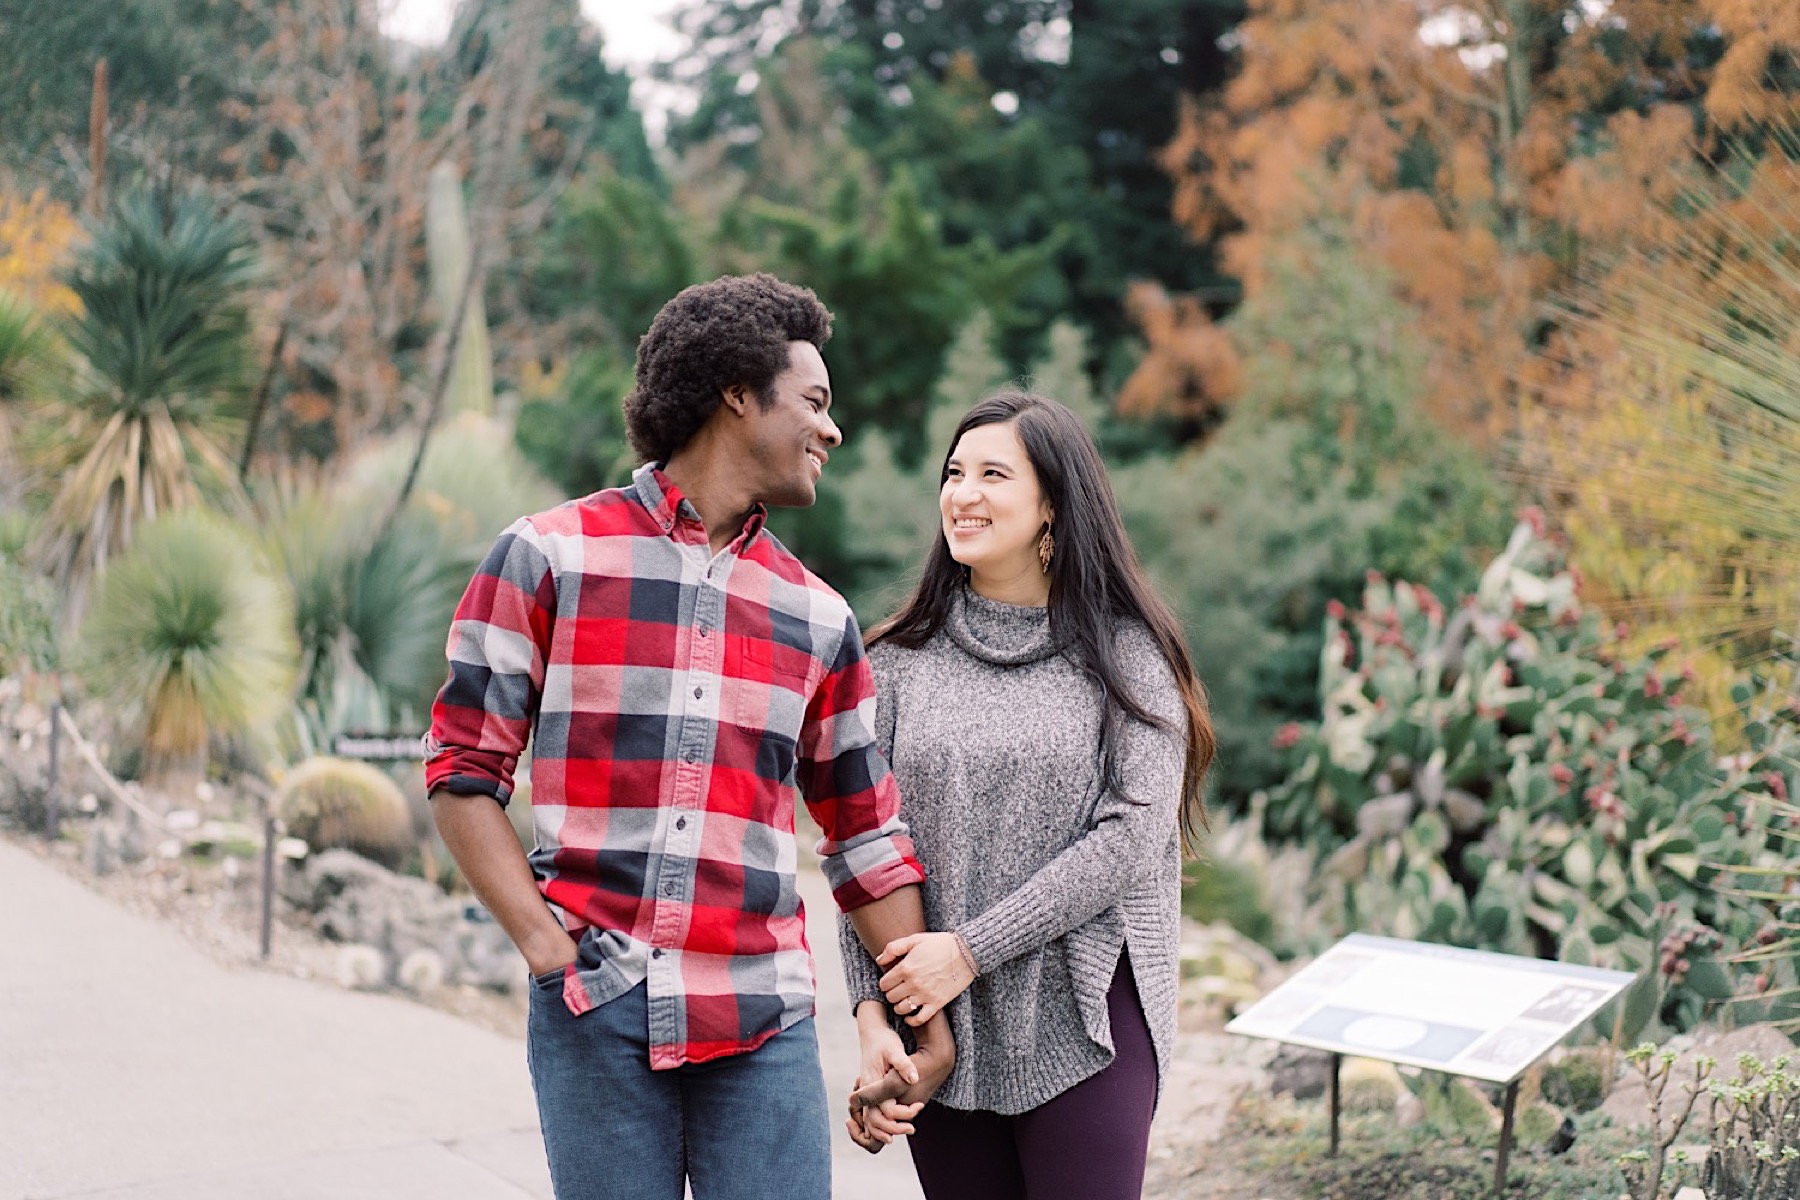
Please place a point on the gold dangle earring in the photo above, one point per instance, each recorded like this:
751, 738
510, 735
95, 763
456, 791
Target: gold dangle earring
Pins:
1046, 548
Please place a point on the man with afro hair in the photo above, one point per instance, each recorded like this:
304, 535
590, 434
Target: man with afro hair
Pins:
682, 679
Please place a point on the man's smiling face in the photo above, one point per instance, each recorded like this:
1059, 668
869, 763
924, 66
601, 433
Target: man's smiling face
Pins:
791, 435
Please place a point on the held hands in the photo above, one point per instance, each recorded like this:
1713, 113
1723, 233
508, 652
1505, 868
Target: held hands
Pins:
874, 1123
929, 971
932, 970
892, 1087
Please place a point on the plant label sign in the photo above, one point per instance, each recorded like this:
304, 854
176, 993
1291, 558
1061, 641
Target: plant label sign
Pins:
379, 747
1465, 1012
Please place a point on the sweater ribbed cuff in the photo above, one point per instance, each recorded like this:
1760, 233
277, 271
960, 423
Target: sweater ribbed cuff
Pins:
995, 938
862, 978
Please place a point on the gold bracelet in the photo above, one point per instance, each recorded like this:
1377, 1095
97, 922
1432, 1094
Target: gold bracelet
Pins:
962, 948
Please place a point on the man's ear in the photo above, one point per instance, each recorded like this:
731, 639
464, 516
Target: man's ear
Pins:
736, 397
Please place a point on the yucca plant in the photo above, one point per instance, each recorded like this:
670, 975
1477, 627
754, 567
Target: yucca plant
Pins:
372, 607
160, 344
1679, 477
191, 638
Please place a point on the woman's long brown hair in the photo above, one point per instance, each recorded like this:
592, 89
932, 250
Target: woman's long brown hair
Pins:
1096, 582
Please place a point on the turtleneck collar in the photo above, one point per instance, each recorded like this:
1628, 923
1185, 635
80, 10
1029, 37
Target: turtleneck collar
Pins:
1007, 635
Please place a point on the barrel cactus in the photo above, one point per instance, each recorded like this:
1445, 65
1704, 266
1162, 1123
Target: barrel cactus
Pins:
336, 803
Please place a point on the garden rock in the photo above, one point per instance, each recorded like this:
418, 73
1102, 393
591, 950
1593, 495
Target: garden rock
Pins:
424, 939
135, 842
1302, 1074
101, 849
1225, 970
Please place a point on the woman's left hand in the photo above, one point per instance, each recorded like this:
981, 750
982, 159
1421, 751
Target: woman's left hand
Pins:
929, 971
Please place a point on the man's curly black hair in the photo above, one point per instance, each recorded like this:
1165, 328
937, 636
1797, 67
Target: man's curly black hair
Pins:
735, 329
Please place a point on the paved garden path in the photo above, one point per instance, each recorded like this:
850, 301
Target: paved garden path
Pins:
134, 1066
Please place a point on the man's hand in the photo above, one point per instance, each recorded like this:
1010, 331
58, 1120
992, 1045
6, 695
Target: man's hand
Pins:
929, 971
547, 948
874, 1126
934, 1060
879, 924
481, 840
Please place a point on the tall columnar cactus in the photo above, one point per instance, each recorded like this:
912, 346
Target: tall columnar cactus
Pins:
447, 243
1500, 776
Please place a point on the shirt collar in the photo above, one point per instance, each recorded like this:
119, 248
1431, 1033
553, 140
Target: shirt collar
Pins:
668, 507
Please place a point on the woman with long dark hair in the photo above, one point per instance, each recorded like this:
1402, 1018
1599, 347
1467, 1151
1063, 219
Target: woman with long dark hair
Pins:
1051, 740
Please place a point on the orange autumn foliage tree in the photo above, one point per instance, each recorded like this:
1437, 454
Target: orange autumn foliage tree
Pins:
1759, 33
1191, 370
36, 236
1453, 139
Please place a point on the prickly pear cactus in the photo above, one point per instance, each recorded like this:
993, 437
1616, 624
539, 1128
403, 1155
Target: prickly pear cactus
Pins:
1497, 774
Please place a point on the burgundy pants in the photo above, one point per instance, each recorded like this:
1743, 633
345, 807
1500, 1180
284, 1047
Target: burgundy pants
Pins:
1089, 1143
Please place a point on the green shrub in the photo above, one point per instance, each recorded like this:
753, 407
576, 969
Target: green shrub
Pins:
1577, 1081
1500, 777
28, 608
336, 803
1221, 890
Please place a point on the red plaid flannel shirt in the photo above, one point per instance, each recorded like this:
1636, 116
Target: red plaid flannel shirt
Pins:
676, 702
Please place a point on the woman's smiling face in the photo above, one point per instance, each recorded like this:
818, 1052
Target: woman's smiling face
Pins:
993, 509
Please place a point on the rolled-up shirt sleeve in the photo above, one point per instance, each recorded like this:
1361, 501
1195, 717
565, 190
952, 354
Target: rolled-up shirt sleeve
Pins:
499, 642
866, 851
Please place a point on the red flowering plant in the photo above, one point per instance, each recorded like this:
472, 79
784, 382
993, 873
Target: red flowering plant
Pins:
1497, 773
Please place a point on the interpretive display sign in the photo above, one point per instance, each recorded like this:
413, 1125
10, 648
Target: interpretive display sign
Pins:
1465, 1012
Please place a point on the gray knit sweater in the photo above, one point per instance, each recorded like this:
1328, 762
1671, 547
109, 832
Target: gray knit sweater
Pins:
994, 738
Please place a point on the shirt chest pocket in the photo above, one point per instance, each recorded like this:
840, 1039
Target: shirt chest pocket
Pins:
768, 687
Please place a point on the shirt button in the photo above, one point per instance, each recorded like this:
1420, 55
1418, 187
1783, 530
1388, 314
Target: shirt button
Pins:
681, 822
668, 889
656, 953
692, 756
697, 693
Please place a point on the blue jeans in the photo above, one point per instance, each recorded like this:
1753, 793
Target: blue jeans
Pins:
745, 1127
